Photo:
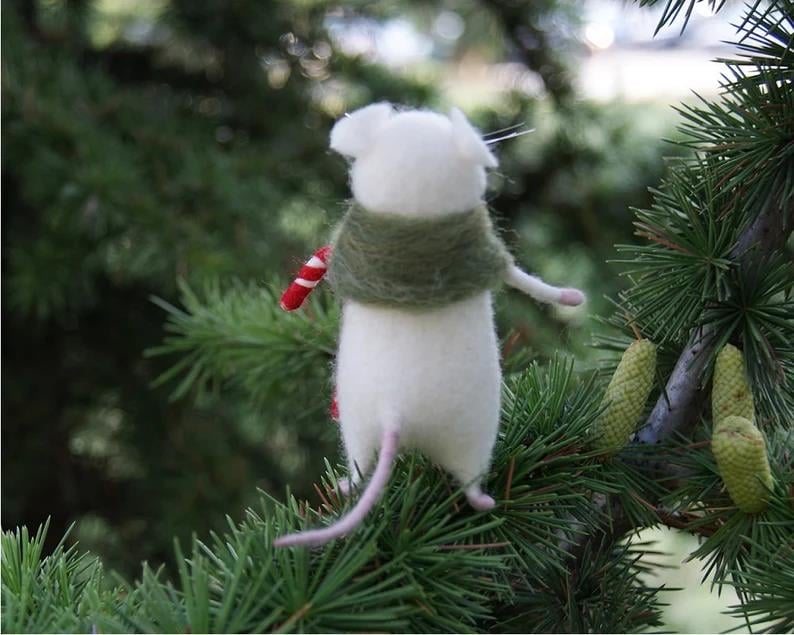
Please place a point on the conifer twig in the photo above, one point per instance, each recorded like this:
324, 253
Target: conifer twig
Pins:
679, 405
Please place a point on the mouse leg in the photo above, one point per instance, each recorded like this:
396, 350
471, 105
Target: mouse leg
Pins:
478, 499
354, 478
466, 455
469, 471
357, 470
361, 447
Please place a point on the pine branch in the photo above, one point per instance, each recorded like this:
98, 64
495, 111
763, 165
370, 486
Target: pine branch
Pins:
422, 562
240, 336
770, 592
678, 408
679, 405
576, 604
732, 543
674, 8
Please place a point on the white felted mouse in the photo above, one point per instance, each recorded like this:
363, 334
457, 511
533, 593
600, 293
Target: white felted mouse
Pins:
414, 261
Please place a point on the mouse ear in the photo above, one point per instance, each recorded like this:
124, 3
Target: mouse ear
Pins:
468, 141
355, 132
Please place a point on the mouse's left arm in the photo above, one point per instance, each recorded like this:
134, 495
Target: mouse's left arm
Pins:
540, 291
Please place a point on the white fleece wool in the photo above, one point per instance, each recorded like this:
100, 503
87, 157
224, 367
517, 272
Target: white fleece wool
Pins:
434, 375
414, 161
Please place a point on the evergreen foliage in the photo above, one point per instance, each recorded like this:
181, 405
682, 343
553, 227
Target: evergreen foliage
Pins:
558, 552
422, 563
239, 335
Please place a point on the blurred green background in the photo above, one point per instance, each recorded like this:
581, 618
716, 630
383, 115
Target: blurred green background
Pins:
151, 141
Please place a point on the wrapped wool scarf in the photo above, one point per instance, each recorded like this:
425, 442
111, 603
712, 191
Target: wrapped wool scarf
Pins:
415, 263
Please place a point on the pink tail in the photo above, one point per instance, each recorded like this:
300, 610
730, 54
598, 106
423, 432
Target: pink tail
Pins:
373, 491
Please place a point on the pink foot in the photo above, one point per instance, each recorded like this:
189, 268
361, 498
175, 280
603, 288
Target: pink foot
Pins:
344, 487
481, 502
571, 297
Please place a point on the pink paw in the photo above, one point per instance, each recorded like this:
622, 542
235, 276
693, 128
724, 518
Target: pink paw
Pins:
344, 487
481, 502
571, 297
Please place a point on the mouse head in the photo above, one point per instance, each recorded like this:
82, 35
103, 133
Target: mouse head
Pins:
413, 162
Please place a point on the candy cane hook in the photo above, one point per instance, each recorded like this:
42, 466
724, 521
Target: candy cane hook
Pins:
308, 277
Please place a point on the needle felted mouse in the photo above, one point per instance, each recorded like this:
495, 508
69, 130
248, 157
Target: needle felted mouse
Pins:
414, 261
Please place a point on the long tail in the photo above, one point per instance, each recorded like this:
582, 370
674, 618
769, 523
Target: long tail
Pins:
373, 491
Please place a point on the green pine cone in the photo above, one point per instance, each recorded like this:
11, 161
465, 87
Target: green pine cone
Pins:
740, 451
730, 394
625, 397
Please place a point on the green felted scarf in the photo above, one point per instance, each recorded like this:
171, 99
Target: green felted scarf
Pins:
415, 263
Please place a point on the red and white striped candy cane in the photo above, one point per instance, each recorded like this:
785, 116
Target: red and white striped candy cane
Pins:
308, 277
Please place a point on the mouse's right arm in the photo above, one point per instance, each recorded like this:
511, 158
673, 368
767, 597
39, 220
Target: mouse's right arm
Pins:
540, 291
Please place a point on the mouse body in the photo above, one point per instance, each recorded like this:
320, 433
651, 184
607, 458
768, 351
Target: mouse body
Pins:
439, 389
428, 377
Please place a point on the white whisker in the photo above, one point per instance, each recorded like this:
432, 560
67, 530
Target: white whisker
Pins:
493, 132
512, 135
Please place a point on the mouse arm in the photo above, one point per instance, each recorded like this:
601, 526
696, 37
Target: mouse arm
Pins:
542, 292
